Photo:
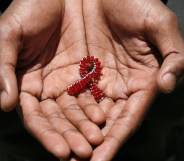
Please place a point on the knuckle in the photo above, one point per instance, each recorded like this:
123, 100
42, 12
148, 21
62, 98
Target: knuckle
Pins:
90, 105
82, 123
164, 21
111, 138
55, 115
46, 133
32, 115
70, 131
9, 30
128, 118
72, 107
171, 18
31, 120
169, 22
176, 66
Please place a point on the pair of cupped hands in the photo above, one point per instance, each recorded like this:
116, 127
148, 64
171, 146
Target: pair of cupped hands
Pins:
41, 44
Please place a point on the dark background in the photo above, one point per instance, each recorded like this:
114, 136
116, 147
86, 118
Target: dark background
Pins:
160, 138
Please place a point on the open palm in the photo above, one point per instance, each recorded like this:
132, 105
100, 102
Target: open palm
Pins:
130, 67
131, 55
132, 43
50, 50
128, 43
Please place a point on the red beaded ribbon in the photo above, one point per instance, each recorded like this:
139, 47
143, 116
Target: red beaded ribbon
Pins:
90, 72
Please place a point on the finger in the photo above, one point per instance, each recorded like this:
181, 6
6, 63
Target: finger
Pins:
126, 123
75, 158
38, 125
75, 115
91, 108
106, 104
165, 33
75, 140
8, 58
171, 71
78, 159
112, 115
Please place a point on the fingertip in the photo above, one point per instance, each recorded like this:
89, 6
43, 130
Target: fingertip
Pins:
91, 108
57, 146
9, 90
77, 143
8, 102
96, 139
92, 133
75, 158
61, 151
94, 113
168, 82
84, 152
97, 116
104, 152
171, 71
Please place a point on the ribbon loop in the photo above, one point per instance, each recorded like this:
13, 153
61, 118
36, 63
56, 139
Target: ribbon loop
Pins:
90, 72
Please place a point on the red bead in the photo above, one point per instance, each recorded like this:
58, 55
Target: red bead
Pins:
90, 72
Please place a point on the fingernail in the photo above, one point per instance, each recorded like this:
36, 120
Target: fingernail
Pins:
169, 80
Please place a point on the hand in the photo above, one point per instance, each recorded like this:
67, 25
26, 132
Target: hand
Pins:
141, 49
40, 40
125, 108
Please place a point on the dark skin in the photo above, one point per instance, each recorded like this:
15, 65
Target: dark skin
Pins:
138, 42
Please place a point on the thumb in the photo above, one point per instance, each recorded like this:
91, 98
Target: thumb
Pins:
171, 45
166, 36
8, 82
170, 72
